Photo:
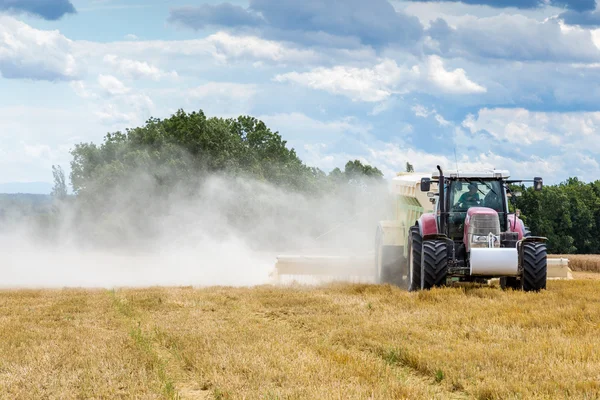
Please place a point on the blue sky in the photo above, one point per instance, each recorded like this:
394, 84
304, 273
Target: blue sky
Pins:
382, 81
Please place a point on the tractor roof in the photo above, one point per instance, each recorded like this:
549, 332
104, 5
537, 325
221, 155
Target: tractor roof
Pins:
489, 174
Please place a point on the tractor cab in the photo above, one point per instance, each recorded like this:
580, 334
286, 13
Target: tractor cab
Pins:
464, 193
468, 194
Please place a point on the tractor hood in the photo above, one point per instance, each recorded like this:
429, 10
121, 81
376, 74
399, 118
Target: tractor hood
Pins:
479, 222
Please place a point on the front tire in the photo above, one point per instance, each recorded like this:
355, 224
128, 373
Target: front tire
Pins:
434, 264
534, 266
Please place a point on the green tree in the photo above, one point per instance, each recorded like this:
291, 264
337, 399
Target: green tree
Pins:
59, 191
357, 170
188, 146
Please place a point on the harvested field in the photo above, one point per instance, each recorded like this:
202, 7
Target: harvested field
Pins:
581, 262
341, 341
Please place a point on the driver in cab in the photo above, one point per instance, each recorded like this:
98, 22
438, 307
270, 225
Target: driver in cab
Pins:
470, 198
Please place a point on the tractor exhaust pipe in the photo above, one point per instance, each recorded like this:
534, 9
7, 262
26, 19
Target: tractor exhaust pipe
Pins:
442, 201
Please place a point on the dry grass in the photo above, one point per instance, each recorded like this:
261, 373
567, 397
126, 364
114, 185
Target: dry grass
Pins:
581, 262
338, 342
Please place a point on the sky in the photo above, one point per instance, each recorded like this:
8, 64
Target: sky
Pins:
507, 84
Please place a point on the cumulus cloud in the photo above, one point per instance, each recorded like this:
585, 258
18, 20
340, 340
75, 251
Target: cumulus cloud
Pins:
579, 5
112, 85
222, 48
574, 130
227, 47
378, 83
50, 10
136, 69
360, 84
455, 81
28, 53
329, 22
512, 37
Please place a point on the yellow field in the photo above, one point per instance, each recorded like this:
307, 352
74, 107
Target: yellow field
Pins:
337, 342
581, 262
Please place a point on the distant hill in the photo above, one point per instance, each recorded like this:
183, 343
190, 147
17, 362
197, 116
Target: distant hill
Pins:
26, 187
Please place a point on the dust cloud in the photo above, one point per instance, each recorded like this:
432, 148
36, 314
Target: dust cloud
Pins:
221, 231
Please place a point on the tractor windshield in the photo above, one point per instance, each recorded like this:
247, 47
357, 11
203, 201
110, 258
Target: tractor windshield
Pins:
465, 193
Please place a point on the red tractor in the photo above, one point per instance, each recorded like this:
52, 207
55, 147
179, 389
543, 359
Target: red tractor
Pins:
472, 237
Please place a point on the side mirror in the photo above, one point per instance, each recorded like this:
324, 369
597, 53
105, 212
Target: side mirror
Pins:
538, 183
425, 184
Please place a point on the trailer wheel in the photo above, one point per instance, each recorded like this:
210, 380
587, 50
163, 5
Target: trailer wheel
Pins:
390, 263
510, 282
534, 266
434, 264
415, 245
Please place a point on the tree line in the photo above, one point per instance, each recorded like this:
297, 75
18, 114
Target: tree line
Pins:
188, 147
568, 214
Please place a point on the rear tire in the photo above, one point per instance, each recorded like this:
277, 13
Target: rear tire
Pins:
415, 247
534, 266
434, 264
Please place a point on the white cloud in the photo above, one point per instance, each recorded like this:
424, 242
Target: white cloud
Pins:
28, 53
513, 37
423, 112
451, 81
360, 84
221, 48
226, 47
393, 158
112, 85
385, 79
136, 69
520, 126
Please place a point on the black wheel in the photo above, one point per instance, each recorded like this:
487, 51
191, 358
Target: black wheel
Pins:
534, 266
390, 263
434, 264
415, 244
526, 231
510, 282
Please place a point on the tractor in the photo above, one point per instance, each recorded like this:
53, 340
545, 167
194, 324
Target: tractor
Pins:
469, 235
